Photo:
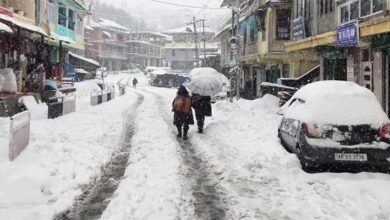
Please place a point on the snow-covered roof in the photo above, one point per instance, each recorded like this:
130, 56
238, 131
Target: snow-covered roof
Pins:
58, 37
186, 29
168, 37
29, 27
79, 70
112, 24
84, 58
335, 102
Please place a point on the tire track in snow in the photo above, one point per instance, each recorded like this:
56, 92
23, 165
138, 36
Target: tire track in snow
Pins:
209, 202
95, 198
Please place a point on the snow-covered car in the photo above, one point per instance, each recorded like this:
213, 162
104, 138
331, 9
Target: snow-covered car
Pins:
336, 124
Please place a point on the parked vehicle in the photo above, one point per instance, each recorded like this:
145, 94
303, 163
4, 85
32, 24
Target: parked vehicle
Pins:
336, 125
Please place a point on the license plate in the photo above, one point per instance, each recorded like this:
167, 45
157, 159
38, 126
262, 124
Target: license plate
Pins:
350, 157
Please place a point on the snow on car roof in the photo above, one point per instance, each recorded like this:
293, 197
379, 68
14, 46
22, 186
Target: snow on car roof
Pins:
335, 102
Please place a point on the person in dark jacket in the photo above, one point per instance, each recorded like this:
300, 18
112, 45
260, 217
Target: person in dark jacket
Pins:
135, 81
202, 107
181, 107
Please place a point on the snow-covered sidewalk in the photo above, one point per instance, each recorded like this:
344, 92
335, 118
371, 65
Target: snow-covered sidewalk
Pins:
63, 155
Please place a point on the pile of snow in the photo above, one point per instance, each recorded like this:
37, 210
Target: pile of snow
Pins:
4, 138
267, 103
7, 80
335, 102
37, 110
85, 88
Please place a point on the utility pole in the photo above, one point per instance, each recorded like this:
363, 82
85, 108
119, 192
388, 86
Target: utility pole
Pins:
235, 71
195, 32
204, 44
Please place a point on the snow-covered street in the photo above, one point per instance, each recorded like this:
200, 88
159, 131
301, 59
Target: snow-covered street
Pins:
236, 169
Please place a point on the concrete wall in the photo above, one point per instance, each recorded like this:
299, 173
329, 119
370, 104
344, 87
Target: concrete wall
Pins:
28, 6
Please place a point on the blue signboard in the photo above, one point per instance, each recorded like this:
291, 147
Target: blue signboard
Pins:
348, 35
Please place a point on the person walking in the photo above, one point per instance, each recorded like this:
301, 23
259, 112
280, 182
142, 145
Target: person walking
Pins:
181, 107
135, 81
202, 107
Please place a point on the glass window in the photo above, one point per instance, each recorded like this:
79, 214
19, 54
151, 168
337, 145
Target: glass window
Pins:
354, 9
344, 14
253, 31
283, 24
322, 7
72, 20
377, 5
326, 6
62, 16
330, 5
365, 8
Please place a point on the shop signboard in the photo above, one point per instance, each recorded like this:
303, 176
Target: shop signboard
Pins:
298, 29
348, 34
6, 11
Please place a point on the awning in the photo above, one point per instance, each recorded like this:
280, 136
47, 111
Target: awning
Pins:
25, 26
88, 60
5, 28
58, 37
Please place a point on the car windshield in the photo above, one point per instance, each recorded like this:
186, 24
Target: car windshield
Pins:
171, 109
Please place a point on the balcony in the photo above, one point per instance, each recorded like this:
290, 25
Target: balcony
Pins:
66, 32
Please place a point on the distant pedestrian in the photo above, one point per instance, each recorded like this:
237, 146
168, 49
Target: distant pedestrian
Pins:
135, 81
202, 107
181, 107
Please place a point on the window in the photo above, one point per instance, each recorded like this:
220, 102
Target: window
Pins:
365, 8
344, 14
71, 20
326, 6
62, 17
173, 52
331, 5
354, 9
283, 24
253, 31
286, 70
307, 9
359, 8
377, 5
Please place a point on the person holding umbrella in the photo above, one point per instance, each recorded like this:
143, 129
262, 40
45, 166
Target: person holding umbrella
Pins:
181, 107
202, 107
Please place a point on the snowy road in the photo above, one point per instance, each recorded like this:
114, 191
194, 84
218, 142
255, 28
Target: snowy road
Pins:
237, 169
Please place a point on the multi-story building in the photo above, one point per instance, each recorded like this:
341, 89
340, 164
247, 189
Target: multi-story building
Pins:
351, 39
146, 48
183, 54
42, 32
264, 28
66, 23
107, 43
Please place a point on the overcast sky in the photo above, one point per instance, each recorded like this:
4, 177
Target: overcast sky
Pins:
161, 17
